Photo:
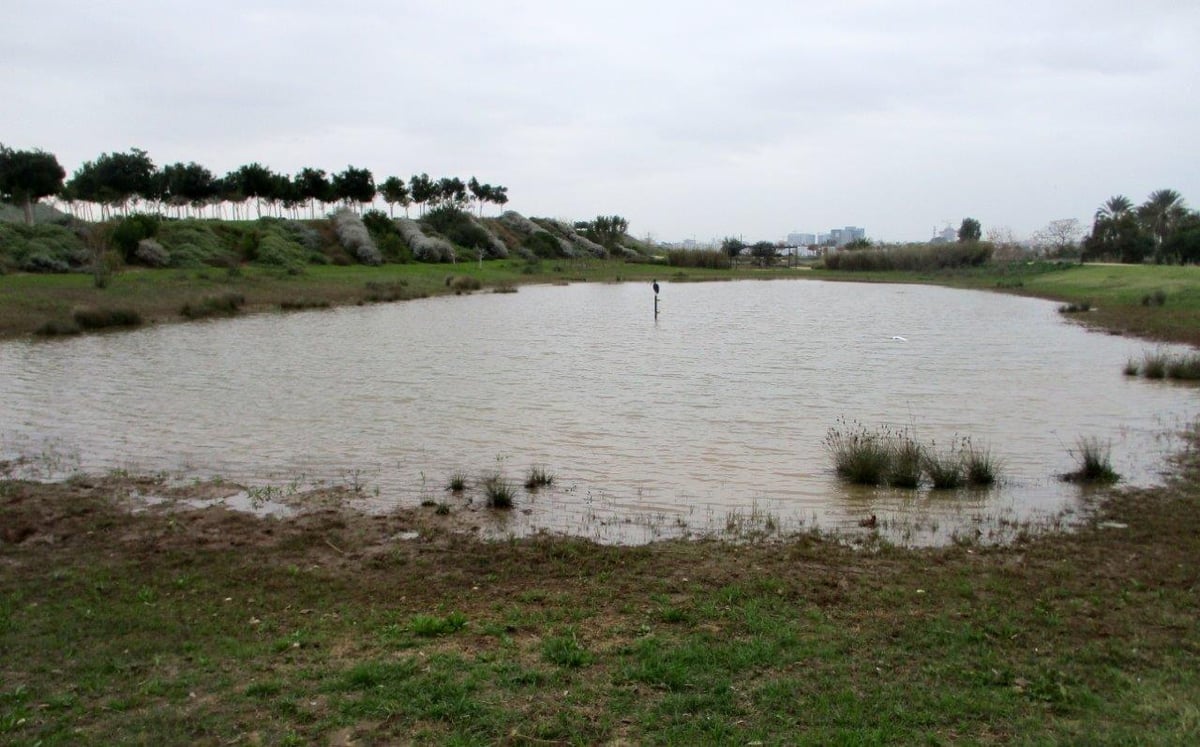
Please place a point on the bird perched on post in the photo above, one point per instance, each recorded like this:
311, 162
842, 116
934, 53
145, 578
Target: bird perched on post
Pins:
655, 286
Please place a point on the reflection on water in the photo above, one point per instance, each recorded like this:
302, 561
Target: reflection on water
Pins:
709, 418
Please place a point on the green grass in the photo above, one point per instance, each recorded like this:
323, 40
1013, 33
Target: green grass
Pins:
1077, 638
457, 482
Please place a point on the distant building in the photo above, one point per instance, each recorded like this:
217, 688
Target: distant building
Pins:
946, 236
801, 239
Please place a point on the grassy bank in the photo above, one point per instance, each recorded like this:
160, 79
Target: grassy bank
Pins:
29, 301
207, 627
1157, 302
1123, 298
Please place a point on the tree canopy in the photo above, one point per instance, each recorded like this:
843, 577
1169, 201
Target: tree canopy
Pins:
26, 176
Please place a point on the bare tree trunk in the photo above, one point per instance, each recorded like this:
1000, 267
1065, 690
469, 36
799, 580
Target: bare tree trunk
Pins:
28, 212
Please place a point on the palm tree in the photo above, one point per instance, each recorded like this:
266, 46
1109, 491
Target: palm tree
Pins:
1114, 208
1161, 212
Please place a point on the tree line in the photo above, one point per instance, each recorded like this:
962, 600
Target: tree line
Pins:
1161, 229
115, 181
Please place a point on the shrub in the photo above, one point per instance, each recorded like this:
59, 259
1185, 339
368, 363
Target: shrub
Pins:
275, 248
911, 257
424, 248
458, 227
712, 259
130, 230
355, 237
40, 248
1184, 367
194, 243
151, 254
41, 262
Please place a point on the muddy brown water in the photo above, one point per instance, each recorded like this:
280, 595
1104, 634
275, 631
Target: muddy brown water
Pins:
708, 420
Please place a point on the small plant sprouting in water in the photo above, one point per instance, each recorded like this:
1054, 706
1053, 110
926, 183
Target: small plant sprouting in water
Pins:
458, 482
538, 477
1095, 463
498, 491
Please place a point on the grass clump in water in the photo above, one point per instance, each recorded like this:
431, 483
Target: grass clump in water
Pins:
226, 304
1095, 463
1163, 365
981, 468
1075, 308
907, 457
104, 318
895, 458
945, 468
498, 491
463, 283
538, 477
458, 482
57, 328
860, 456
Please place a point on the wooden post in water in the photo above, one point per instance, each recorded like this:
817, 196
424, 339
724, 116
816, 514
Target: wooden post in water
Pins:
654, 285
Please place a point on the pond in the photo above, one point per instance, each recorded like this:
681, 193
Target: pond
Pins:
709, 419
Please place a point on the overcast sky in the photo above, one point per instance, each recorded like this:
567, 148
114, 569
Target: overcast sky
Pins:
691, 119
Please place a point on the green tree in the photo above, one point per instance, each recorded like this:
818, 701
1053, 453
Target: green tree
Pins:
313, 187
733, 247
764, 252
393, 191
354, 185
481, 192
187, 184
451, 191
114, 179
27, 176
257, 181
423, 190
498, 196
970, 230
1117, 234
607, 230
1161, 213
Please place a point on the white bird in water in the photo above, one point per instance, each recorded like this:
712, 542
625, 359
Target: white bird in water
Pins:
898, 337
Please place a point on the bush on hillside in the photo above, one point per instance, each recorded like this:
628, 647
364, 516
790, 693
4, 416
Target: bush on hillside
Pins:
131, 229
40, 248
424, 248
355, 238
151, 254
194, 243
459, 228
